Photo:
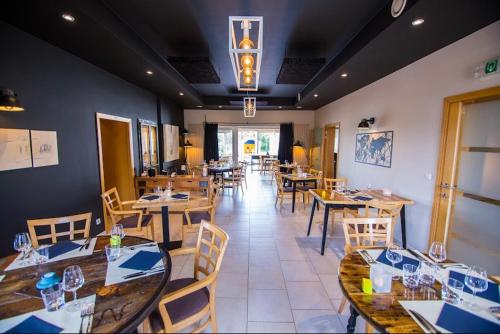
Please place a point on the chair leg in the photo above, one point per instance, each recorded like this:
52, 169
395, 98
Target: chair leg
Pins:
213, 318
368, 328
342, 305
276, 202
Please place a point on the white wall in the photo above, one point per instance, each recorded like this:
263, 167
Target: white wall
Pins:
410, 102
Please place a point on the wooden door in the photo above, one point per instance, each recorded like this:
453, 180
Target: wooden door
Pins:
467, 196
330, 150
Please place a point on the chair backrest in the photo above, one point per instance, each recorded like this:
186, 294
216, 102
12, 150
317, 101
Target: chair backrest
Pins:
112, 200
362, 233
386, 208
34, 224
213, 195
333, 184
152, 184
210, 248
316, 172
279, 182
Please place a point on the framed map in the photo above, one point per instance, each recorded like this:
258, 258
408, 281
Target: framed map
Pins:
170, 142
374, 148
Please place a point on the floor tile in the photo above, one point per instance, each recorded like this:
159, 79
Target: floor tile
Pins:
317, 321
308, 296
266, 278
231, 315
300, 271
271, 327
269, 305
231, 285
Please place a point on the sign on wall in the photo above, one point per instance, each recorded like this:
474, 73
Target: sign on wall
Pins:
44, 148
374, 148
170, 142
15, 149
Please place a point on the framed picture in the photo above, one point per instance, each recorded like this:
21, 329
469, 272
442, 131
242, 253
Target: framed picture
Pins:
44, 150
15, 149
374, 148
170, 142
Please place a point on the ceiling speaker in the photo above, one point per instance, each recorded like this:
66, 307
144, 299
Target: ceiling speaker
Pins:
398, 6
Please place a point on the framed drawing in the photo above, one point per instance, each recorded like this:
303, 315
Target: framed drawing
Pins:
15, 149
170, 142
374, 148
44, 150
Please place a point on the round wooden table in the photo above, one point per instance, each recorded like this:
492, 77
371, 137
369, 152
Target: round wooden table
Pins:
119, 309
381, 310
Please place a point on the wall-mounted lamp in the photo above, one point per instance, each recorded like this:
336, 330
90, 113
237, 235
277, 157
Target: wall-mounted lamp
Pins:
365, 123
298, 144
9, 101
188, 144
185, 131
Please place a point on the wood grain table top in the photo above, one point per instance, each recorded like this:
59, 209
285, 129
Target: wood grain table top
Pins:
334, 197
118, 308
296, 177
195, 199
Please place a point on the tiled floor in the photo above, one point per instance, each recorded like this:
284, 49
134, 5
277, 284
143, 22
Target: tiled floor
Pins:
273, 278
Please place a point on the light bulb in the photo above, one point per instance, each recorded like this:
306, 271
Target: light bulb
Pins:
247, 80
247, 61
248, 71
246, 43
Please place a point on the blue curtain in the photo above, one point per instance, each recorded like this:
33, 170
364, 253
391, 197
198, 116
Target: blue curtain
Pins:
211, 142
285, 148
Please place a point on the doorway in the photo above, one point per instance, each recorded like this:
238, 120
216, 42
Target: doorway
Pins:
116, 157
331, 150
467, 197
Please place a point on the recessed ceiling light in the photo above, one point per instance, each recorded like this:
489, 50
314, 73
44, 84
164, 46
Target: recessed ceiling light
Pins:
181, 93
68, 17
315, 95
198, 106
417, 22
149, 72
344, 75
220, 107
280, 107
299, 107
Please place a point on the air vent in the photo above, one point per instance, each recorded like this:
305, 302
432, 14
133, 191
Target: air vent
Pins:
196, 70
299, 71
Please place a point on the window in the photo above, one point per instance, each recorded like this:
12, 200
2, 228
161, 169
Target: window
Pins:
225, 139
257, 141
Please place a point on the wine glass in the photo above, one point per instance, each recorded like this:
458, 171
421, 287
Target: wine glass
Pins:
394, 254
476, 279
22, 244
118, 230
73, 280
437, 252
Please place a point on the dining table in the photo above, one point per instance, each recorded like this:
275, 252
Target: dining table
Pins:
119, 307
303, 178
335, 199
389, 312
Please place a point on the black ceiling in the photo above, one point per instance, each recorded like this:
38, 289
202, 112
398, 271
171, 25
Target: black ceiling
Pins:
184, 42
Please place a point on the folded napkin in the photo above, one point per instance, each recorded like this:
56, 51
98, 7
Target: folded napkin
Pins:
180, 196
362, 198
457, 320
151, 197
383, 259
491, 293
143, 260
33, 324
62, 247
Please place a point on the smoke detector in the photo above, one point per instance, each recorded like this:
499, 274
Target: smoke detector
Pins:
397, 7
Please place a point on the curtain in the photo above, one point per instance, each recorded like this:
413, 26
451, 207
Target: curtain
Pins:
211, 142
286, 142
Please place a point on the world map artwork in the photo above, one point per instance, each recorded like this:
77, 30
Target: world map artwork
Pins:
374, 148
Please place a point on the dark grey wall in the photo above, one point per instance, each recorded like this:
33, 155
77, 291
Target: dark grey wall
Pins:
61, 92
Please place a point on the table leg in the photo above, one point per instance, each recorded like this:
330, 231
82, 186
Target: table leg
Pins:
294, 186
325, 228
351, 323
403, 226
316, 187
312, 216
167, 244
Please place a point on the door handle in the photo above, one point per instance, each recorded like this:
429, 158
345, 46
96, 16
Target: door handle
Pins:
447, 186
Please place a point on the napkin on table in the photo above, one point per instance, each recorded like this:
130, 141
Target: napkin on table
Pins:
34, 324
406, 260
142, 260
457, 320
62, 247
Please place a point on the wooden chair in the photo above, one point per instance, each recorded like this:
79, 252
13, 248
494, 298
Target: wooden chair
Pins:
244, 166
365, 233
152, 184
189, 301
336, 184
304, 189
234, 180
283, 192
134, 222
194, 216
34, 224
274, 169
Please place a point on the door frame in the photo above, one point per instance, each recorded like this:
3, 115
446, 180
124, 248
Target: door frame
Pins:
450, 139
323, 146
128, 121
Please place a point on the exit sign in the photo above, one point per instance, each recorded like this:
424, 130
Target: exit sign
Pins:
487, 69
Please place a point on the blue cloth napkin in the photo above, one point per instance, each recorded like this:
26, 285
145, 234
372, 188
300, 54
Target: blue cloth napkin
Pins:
362, 198
491, 293
180, 196
457, 320
383, 259
34, 324
62, 247
143, 260
151, 197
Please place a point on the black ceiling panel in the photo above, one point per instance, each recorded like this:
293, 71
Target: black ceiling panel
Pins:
196, 70
299, 71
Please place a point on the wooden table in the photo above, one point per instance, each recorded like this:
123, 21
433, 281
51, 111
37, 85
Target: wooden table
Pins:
381, 310
294, 178
162, 207
131, 303
187, 182
336, 200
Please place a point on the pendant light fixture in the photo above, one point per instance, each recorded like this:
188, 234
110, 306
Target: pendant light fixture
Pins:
246, 55
9, 101
188, 144
249, 106
298, 144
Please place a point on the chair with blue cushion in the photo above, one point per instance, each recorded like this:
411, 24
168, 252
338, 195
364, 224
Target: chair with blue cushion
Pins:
194, 216
190, 301
282, 191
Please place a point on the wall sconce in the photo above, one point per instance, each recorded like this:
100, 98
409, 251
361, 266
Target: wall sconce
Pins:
185, 132
188, 144
9, 101
365, 123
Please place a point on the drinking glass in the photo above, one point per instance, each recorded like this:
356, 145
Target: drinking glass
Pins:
118, 230
73, 280
112, 252
410, 276
53, 297
451, 291
22, 244
427, 273
437, 252
476, 279
42, 255
395, 255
